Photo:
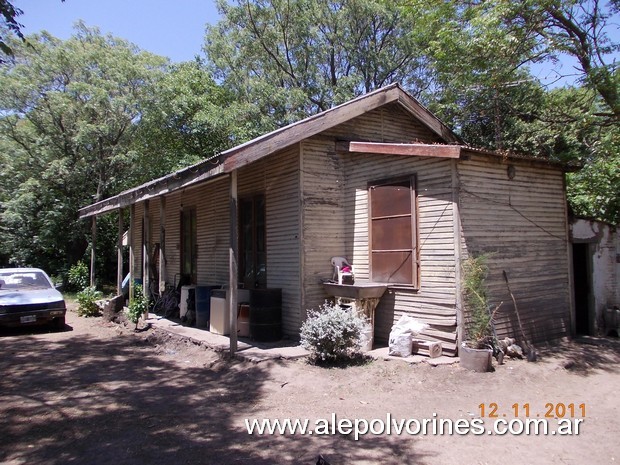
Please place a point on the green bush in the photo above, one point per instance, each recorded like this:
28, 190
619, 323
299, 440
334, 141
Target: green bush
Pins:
332, 333
475, 270
138, 305
78, 276
86, 300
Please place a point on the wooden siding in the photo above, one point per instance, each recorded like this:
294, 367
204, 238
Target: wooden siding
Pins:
173, 238
212, 203
322, 198
521, 223
136, 240
390, 123
435, 300
335, 222
154, 221
212, 215
277, 177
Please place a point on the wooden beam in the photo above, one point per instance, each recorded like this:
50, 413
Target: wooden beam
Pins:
93, 250
146, 244
233, 264
119, 254
415, 150
183, 179
162, 245
132, 255
458, 252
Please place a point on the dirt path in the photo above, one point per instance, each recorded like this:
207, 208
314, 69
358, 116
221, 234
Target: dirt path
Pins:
100, 394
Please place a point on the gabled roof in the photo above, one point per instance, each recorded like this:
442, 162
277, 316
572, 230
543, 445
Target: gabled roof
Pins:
267, 144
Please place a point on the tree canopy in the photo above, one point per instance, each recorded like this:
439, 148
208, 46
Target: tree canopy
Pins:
69, 113
294, 58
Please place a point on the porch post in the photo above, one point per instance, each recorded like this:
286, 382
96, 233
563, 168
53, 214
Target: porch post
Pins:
146, 262
232, 262
132, 256
119, 254
93, 249
456, 225
162, 245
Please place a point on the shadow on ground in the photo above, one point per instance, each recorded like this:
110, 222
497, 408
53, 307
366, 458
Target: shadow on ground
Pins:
74, 398
584, 355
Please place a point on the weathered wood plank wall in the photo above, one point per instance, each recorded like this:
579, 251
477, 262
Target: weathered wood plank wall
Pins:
435, 301
335, 219
173, 237
521, 223
136, 240
277, 176
322, 212
213, 230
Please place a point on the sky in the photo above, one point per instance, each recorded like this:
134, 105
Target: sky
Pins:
170, 28
176, 29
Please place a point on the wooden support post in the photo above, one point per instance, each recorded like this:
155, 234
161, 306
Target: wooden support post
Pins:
146, 260
119, 254
93, 250
456, 225
162, 245
232, 264
132, 255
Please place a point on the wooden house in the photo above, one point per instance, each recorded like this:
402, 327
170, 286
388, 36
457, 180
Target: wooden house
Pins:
383, 182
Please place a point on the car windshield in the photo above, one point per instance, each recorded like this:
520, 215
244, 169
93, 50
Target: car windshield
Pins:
23, 280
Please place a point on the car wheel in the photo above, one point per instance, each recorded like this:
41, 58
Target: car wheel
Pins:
59, 323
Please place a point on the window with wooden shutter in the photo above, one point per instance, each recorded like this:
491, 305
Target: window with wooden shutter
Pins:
189, 244
393, 232
252, 243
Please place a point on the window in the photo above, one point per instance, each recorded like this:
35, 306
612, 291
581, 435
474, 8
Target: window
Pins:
393, 232
252, 244
189, 243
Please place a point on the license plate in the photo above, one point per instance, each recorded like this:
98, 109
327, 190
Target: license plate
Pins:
28, 319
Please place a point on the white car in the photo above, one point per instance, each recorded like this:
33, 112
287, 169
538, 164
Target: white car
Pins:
28, 297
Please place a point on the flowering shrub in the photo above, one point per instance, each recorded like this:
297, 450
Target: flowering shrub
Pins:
332, 333
86, 302
138, 305
78, 276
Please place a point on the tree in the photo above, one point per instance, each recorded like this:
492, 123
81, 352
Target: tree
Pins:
480, 51
69, 113
8, 23
191, 118
293, 58
507, 36
9, 26
580, 29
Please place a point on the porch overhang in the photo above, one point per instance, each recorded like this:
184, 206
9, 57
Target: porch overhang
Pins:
182, 179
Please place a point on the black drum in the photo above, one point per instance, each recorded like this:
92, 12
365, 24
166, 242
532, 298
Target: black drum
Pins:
266, 315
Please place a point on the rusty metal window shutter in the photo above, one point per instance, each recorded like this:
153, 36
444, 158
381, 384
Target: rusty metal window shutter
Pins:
393, 232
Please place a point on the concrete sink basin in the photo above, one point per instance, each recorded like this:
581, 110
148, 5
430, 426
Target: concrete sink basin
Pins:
356, 291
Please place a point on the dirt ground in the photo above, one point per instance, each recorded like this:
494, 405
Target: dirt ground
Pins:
98, 393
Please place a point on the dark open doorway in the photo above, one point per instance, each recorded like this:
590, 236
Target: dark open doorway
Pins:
582, 272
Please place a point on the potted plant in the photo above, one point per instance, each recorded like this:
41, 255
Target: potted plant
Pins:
476, 352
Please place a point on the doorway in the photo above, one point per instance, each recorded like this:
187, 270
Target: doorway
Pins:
582, 273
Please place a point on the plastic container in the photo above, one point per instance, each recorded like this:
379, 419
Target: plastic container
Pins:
219, 323
203, 305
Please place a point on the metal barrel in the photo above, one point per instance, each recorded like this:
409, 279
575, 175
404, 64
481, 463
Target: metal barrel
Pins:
266, 315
